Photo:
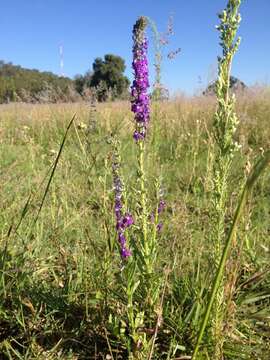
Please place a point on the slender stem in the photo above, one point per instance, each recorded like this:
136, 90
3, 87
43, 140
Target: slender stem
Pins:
143, 196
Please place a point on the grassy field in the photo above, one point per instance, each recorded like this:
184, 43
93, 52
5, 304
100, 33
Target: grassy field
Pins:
60, 287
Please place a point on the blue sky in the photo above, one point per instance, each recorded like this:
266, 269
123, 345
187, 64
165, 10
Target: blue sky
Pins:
32, 30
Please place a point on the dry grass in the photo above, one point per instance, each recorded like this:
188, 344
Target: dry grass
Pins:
56, 289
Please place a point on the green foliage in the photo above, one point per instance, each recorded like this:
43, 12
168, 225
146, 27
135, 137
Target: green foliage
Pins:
82, 82
106, 82
60, 288
224, 129
19, 84
108, 76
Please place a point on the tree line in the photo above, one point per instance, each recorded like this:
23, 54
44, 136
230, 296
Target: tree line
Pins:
105, 81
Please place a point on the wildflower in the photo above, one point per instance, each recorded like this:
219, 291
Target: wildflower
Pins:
125, 253
82, 126
127, 221
172, 54
140, 103
161, 206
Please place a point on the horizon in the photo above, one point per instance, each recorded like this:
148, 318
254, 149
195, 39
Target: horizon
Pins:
96, 32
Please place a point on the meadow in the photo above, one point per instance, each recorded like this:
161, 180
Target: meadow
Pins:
138, 236
59, 271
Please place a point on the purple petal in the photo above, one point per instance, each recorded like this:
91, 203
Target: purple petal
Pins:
125, 253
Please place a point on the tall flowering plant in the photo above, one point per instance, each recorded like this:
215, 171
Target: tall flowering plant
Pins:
140, 105
139, 250
147, 221
224, 128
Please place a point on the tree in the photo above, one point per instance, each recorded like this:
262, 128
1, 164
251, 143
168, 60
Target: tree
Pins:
109, 75
235, 85
81, 82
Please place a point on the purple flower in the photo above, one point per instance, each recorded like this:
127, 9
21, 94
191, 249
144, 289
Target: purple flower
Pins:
161, 206
125, 253
117, 205
127, 220
122, 239
140, 99
138, 136
123, 222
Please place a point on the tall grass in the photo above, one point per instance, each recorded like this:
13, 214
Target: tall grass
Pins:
66, 292
60, 288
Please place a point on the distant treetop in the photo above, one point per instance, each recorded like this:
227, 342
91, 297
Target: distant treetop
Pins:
235, 85
107, 78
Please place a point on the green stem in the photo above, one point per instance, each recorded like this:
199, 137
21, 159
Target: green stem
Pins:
143, 196
258, 169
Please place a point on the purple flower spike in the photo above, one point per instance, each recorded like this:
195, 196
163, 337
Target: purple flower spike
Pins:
140, 103
159, 227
